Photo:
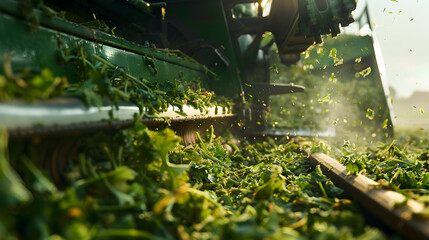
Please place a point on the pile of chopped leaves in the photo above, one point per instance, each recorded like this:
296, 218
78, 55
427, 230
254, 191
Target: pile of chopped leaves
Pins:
100, 80
143, 184
29, 85
401, 169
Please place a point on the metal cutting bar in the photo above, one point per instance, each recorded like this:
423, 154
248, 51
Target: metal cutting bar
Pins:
70, 115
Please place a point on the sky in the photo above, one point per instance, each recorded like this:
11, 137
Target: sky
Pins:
402, 30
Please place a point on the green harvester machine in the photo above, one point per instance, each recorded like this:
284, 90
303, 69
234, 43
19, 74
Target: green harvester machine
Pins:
112, 63
222, 45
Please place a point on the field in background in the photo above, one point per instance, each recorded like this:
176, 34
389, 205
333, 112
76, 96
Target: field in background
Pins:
412, 114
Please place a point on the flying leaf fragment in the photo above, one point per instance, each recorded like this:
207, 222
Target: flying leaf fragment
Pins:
333, 53
325, 98
358, 60
275, 68
385, 123
365, 72
370, 114
422, 111
332, 78
338, 61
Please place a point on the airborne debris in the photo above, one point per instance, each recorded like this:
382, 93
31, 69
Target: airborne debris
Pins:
325, 98
370, 114
385, 123
365, 72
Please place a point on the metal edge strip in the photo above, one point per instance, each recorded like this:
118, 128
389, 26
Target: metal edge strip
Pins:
379, 201
97, 36
72, 114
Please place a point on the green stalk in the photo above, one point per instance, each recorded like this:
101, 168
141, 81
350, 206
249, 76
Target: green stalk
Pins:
214, 159
206, 152
126, 234
201, 143
104, 61
322, 189
399, 161
118, 208
12, 189
109, 156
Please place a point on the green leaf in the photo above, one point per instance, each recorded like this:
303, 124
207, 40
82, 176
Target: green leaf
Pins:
333, 53
39, 182
177, 169
317, 175
425, 180
365, 72
118, 179
12, 189
164, 141
333, 78
321, 51
325, 98
139, 128
370, 114
265, 192
121, 177
385, 123
338, 61
352, 168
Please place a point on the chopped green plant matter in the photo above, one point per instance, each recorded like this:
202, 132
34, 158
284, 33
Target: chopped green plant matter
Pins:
104, 80
370, 114
29, 84
365, 72
12, 190
142, 184
333, 102
101, 80
325, 98
401, 169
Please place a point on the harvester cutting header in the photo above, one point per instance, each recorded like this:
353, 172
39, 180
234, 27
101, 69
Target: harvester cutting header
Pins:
154, 47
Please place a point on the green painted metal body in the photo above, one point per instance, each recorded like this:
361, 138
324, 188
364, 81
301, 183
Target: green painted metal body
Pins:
348, 48
40, 47
207, 20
